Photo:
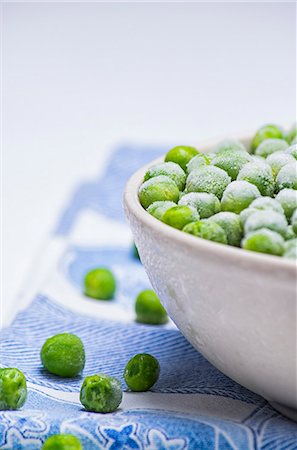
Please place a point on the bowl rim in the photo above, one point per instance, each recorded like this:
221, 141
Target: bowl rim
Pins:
237, 254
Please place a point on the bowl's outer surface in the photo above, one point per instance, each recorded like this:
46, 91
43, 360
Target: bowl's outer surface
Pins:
237, 308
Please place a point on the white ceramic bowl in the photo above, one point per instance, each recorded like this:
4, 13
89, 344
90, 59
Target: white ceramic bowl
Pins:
238, 308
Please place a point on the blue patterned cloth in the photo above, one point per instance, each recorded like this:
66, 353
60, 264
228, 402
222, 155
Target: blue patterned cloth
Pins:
192, 406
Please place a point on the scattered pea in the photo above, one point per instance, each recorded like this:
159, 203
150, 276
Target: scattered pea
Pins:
62, 442
100, 284
13, 389
141, 372
149, 309
101, 393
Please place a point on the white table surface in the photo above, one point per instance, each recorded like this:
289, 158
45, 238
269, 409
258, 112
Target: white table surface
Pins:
80, 78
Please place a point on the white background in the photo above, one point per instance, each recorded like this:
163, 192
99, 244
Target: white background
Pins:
80, 78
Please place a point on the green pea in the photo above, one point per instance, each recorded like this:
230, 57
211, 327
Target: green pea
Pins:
231, 224
206, 230
267, 219
267, 203
13, 389
181, 155
288, 200
149, 309
290, 234
206, 204
197, 162
101, 393
230, 146
259, 174
291, 249
100, 283
159, 188
210, 179
291, 134
169, 169
157, 209
266, 132
231, 161
63, 355
264, 241
62, 442
179, 216
270, 146
141, 372
278, 160
287, 177
292, 150
294, 221
238, 196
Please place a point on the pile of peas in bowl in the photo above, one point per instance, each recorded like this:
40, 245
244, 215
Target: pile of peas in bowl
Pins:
244, 197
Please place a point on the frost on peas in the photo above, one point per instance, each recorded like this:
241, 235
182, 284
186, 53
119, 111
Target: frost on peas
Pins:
230, 145
287, 177
210, 179
266, 132
294, 222
290, 233
291, 134
288, 200
291, 249
259, 174
157, 209
206, 204
169, 169
161, 188
267, 203
197, 162
231, 224
264, 241
181, 155
238, 196
266, 219
207, 230
278, 160
270, 146
179, 216
292, 150
246, 213
231, 161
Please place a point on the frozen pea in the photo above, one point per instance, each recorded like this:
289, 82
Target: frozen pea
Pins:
239, 195
180, 215
210, 179
231, 161
267, 203
230, 145
246, 213
264, 241
288, 200
259, 174
100, 283
101, 393
206, 204
270, 146
181, 155
197, 161
157, 209
62, 442
231, 224
290, 233
141, 372
161, 188
292, 150
13, 389
278, 160
291, 134
149, 309
294, 221
210, 156
266, 219
207, 230
169, 169
291, 249
287, 177
266, 132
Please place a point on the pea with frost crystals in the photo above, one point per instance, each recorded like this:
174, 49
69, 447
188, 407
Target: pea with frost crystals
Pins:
231, 224
101, 393
141, 372
149, 309
292, 150
206, 204
197, 162
179, 216
287, 177
100, 284
270, 146
238, 196
267, 219
13, 389
264, 241
210, 179
231, 161
160, 188
294, 221
288, 200
63, 355
291, 134
278, 160
291, 249
181, 155
266, 132
157, 209
259, 174
62, 442
267, 203
206, 230
169, 169
230, 145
